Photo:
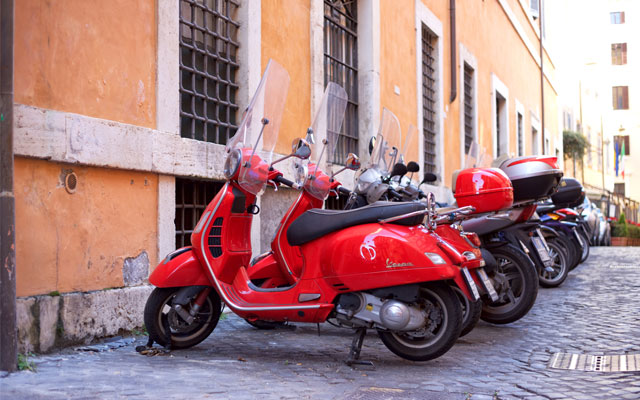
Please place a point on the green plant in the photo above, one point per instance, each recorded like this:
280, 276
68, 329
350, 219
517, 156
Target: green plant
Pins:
621, 227
223, 316
634, 231
54, 293
24, 363
574, 145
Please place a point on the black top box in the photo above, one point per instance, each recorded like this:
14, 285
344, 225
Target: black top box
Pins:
570, 193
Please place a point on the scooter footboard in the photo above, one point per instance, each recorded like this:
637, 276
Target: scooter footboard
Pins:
180, 268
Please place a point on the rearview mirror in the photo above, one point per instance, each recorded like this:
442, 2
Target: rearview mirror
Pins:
310, 138
399, 169
413, 166
429, 177
353, 162
372, 144
300, 149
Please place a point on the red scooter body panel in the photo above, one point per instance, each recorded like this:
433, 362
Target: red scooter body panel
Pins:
182, 270
375, 255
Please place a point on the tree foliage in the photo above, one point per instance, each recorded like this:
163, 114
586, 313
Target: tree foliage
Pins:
574, 145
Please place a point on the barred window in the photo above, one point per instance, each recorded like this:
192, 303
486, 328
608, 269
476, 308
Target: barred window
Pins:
468, 107
192, 197
619, 53
208, 66
341, 67
429, 98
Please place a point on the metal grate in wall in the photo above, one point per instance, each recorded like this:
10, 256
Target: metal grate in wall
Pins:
468, 107
341, 67
208, 67
429, 98
192, 197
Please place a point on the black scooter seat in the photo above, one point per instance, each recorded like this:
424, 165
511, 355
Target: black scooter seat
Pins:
316, 223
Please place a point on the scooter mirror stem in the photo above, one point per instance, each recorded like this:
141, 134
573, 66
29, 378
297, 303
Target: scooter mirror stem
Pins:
264, 122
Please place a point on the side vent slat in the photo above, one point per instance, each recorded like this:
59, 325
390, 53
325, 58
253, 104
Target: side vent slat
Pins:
215, 238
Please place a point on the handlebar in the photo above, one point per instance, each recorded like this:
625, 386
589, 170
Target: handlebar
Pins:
395, 194
344, 190
282, 180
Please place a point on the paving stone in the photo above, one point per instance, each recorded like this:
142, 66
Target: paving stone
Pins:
588, 314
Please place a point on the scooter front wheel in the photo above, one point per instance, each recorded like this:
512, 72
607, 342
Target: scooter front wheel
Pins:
471, 311
560, 265
516, 281
444, 321
160, 314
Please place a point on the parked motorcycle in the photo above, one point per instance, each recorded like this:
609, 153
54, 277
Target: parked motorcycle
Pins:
374, 267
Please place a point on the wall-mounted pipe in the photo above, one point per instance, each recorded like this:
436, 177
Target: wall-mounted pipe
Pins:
452, 26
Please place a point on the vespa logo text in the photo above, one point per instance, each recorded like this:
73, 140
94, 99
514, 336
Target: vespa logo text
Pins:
398, 265
368, 251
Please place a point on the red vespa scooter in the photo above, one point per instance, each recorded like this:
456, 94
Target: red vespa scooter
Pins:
375, 267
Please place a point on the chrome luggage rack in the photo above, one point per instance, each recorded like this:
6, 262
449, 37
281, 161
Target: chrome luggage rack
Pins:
433, 216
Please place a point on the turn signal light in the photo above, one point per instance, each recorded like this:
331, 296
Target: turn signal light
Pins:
473, 238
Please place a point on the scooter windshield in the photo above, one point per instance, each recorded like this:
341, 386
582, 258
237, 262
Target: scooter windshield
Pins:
258, 131
477, 157
409, 152
386, 151
327, 124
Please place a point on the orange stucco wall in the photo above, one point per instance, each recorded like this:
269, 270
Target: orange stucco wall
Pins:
485, 30
96, 58
398, 66
286, 38
78, 242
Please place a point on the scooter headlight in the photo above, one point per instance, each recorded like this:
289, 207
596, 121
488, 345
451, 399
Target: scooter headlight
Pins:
232, 163
300, 172
435, 258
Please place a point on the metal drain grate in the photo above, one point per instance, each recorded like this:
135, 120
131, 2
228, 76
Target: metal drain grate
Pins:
586, 362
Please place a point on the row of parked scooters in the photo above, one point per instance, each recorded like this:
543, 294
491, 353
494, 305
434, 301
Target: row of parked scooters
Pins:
419, 272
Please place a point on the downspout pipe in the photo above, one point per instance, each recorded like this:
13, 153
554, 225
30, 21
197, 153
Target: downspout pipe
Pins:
540, 13
8, 332
452, 26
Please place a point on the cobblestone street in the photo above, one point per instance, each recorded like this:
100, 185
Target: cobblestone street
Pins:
595, 312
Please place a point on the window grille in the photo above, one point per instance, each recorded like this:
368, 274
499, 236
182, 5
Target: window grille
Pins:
341, 67
468, 107
621, 97
619, 53
192, 197
208, 66
520, 136
429, 98
617, 17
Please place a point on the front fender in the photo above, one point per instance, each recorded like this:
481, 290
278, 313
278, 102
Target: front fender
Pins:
180, 268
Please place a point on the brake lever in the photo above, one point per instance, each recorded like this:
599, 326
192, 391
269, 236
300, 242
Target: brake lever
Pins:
275, 185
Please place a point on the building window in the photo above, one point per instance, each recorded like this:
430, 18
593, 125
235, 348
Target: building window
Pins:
429, 86
534, 6
547, 144
341, 67
520, 132
192, 197
619, 53
535, 141
589, 157
622, 143
208, 66
618, 188
617, 17
501, 125
468, 107
621, 97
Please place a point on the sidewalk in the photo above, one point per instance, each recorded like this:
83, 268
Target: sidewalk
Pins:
595, 312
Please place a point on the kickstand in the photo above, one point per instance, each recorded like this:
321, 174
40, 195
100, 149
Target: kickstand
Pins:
356, 346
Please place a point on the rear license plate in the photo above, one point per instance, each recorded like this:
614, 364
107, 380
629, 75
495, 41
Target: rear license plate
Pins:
486, 282
471, 285
541, 249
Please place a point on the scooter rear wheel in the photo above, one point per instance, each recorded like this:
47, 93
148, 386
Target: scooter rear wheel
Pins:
444, 322
471, 311
516, 281
159, 313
